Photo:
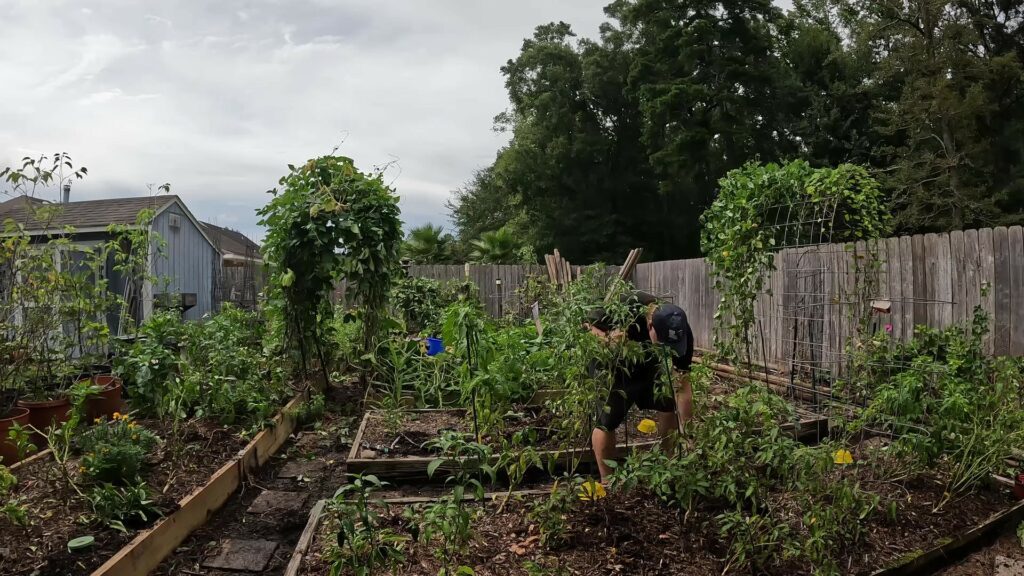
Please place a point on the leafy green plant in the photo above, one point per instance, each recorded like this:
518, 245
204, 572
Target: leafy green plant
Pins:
114, 450
329, 221
741, 230
21, 437
364, 545
121, 507
10, 507
550, 513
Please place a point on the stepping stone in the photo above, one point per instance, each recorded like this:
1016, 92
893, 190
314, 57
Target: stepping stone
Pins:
304, 468
1008, 567
277, 501
243, 555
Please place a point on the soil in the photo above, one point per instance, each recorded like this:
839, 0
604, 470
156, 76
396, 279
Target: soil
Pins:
325, 445
180, 464
417, 428
413, 430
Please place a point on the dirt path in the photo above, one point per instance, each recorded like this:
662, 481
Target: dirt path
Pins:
257, 529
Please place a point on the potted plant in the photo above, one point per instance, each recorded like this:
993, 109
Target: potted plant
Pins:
106, 397
10, 416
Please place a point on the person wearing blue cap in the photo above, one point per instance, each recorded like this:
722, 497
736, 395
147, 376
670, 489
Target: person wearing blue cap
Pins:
662, 330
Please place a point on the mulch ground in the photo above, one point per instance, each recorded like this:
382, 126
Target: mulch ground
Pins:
183, 462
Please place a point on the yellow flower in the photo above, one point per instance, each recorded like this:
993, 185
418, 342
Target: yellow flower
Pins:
132, 425
842, 457
117, 415
647, 426
97, 420
592, 491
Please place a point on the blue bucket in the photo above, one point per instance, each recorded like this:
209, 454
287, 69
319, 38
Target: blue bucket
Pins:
434, 346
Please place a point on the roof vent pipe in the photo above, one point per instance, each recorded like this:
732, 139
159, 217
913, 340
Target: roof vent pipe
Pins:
67, 193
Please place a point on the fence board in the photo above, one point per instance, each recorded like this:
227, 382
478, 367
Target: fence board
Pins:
957, 269
1016, 251
1001, 253
987, 277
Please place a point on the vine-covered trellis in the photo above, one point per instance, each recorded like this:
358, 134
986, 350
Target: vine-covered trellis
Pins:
329, 221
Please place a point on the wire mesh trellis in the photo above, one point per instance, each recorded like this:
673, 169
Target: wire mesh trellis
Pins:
828, 292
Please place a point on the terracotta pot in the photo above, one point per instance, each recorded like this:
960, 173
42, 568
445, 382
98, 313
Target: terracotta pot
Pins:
45, 413
109, 399
1018, 486
8, 451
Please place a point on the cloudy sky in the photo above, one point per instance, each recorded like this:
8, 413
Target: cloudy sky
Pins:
216, 98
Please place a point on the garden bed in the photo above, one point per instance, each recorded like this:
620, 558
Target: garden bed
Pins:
180, 464
633, 533
393, 444
189, 475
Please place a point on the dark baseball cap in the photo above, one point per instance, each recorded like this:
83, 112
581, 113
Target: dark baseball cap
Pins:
670, 325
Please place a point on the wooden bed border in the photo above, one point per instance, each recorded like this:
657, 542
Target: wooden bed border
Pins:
944, 555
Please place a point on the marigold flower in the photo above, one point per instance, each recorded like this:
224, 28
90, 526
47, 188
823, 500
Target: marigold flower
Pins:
117, 415
647, 426
842, 457
97, 420
592, 491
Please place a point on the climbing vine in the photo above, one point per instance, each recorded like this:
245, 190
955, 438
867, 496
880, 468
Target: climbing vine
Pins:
329, 221
752, 218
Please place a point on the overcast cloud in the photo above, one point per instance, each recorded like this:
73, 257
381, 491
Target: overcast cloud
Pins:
218, 97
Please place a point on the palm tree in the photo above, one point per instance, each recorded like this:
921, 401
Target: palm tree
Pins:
497, 247
428, 244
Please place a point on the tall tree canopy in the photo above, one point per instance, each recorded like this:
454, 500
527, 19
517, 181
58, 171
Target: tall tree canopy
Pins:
620, 141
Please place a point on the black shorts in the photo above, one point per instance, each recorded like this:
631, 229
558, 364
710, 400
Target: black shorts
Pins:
626, 394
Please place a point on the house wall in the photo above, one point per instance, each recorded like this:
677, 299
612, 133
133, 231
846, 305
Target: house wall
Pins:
188, 262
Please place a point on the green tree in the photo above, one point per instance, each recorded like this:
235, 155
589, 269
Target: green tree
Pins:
498, 247
428, 244
953, 127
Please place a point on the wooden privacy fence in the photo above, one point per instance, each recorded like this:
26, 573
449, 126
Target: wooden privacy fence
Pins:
807, 311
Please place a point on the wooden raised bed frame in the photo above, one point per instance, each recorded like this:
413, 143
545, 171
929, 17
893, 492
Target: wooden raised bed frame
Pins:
810, 427
926, 563
149, 548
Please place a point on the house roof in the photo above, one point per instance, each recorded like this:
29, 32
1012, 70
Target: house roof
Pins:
232, 241
89, 214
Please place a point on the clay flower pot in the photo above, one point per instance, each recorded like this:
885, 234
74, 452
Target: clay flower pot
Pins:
8, 451
43, 414
107, 401
1018, 486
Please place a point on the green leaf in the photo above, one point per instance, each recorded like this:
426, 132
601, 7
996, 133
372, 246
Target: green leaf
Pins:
433, 466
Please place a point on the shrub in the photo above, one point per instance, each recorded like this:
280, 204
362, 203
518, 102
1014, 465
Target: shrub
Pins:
115, 450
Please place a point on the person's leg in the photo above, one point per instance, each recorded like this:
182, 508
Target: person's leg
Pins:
603, 442
684, 399
667, 425
602, 439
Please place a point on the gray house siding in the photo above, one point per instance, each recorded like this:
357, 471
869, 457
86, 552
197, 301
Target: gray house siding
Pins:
188, 262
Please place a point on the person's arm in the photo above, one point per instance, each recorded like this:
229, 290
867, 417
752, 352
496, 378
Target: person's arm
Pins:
606, 336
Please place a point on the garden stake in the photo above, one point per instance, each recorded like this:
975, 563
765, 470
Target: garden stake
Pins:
469, 362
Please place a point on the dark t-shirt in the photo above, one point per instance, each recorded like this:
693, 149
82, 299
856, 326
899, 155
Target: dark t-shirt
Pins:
647, 369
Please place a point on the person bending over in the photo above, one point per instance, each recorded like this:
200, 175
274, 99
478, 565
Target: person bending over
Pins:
660, 328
